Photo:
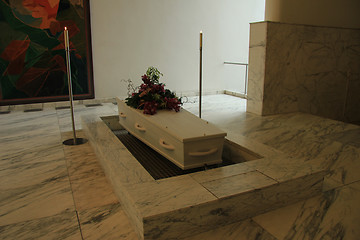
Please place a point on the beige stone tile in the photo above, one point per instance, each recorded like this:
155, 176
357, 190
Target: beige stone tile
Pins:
317, 126
81, 160
244, 230
222, 172
34, 106
333, 215
279, 222
237, 184
168, 194
256, 79
63, 226
286, 168
28, 174
343, 165
36, 201
32, 156
93, 191
106, 222
351, 137
90, 186
4, 109
65, 121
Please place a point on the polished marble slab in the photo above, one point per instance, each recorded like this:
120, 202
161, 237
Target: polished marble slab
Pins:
238, 184
181, 206
23, 203
33, 171
61, 226
18, 175
302, 68
89, 186
343, 166
244, 230
64, 115
257, 63
39, 208
333, 215
350, 137
106, 222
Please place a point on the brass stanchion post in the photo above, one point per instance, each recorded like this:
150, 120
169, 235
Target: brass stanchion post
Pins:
74, 141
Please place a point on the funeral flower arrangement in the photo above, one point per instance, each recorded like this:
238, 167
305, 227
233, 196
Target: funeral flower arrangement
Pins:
152, 95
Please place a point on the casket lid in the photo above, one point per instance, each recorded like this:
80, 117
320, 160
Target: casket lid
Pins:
182, 125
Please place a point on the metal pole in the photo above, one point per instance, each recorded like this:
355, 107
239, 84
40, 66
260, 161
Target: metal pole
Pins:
200, 75
67, 50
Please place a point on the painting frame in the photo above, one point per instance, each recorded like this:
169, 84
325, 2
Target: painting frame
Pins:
33, 83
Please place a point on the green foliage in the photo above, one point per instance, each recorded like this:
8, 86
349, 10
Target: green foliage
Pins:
154, 74
152, 94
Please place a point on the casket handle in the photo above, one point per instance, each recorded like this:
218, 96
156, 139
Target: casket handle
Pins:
201, 154
166, 145
123, 115
139, 127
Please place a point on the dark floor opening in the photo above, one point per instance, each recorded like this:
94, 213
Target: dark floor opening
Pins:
157, 165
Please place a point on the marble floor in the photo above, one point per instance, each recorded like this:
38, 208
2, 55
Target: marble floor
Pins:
52, 191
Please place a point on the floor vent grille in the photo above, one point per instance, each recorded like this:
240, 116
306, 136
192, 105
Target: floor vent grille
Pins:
156, 164
33, 110
62, 107
93, 105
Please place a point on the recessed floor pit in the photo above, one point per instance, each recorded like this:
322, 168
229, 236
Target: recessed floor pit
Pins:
159, 167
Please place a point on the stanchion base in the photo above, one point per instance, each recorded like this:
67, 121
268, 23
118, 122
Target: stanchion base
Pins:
78, 141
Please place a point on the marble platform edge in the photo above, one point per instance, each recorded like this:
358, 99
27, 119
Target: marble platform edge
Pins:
190, 221
153, 219
99, 133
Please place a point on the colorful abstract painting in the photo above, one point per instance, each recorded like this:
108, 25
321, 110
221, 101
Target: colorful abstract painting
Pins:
32, 52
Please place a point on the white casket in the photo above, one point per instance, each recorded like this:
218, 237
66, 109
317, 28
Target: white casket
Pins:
181, 137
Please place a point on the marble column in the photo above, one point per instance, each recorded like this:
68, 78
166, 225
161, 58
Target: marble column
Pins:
302, 68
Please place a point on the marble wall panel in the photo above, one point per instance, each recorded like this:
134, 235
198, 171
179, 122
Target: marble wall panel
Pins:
257, 69
309, 69
352, 109
279, 92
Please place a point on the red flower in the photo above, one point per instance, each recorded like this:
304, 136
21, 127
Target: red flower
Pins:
150, 107
146, 79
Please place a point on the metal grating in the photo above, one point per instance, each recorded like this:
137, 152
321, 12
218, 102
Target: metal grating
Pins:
62, 107
157, 165
33, 110
93, 105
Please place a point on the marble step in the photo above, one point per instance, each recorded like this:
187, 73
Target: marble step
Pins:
185, 205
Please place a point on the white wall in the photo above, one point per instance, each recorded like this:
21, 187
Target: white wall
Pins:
130, 35
331, 13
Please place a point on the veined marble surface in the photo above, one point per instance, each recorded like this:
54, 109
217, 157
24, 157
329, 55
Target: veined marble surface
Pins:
31, 141
180, 206
304, 68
